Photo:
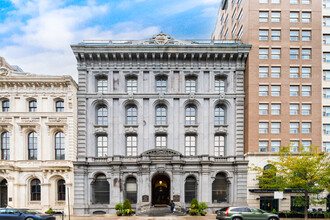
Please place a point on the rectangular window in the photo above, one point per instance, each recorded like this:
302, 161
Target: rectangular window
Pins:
305, 2
306, 54
275, 109
131, 144
306, 109
326, 93
219, 85
161, 141
306, 145
263, 145
190, 145
305, 17
131, 85
326, 75
305, 72
275, 53
263, 90
294, 146
326, 57
263, 16
240, 17
306, 90
263, 72
294, 72
294, 17
161, 84
326, 129
275, 1
294, 54
326, 21
263, 1
263, 109
326, 145
326, 111
294, 35
294, 127
306, 127
233, 31
263, 127
102, 85
234, 15
240, 33
294, 109
275, 127
275, 35
263, 53
190, 84
275, 90
294, 90
293, 2
326, 3
275, 146
275, 16
263, 34
275, 72
102, 146
305, 35
219, 145
326, 39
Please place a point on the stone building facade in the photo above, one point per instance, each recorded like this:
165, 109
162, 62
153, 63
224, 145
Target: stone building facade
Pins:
160, 119
38, 140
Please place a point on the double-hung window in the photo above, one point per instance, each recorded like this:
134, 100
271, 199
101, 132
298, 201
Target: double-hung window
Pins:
294, 17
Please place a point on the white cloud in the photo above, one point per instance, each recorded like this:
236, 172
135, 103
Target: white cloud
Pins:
43, 47
210, 12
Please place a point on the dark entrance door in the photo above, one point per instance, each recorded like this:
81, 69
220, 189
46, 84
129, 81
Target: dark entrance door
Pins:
3, 193
268, 204
161, 190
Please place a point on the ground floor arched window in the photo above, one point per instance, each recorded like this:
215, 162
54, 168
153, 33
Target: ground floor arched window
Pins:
131, 190
3, 193
190, 189
220, 189
101, 190
61, 190
35, 190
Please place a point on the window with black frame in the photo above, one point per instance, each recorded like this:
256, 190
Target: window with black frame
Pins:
131, 190
35, 190
61, 190
190, 189
220, 189
101, 190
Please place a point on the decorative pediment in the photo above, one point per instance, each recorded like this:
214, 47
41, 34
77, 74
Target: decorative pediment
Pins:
163, 39
160, 152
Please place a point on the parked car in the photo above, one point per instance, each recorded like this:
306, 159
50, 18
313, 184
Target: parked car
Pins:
244, 213
23, 214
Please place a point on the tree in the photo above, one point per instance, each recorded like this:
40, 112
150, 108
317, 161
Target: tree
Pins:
306, 172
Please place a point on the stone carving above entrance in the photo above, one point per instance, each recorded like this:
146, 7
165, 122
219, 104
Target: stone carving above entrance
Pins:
163, 39
159, 152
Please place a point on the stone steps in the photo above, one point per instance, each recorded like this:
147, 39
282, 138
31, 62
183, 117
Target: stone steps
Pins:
160, 211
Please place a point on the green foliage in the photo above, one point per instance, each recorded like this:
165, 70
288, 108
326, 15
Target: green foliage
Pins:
194, 204
127, 212
127, 204
193, 212
119, 206
274, 211
202, 206
306, 171
50, 211
203, 213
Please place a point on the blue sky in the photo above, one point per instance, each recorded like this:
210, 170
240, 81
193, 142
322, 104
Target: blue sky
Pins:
36, 34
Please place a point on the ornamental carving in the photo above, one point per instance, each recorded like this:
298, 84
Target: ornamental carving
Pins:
191, 129
161, 153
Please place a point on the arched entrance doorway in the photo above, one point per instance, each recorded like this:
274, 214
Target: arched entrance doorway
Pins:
161, 189
3, 193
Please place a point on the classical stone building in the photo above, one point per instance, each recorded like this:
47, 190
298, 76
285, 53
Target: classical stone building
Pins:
38, 140
160, 119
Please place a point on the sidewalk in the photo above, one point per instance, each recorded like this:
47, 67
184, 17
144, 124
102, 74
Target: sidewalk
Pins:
113, 217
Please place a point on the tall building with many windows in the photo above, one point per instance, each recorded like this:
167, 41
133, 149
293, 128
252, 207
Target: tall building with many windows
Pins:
283, 79
37, 140
160, 119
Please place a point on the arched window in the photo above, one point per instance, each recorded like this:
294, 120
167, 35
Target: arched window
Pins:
268, 176
161, 84
102, 115
59, 106
190, 115
190, 189
5, 146
131, 115
219, 115
131, 190
59, 146
219, 85
220, 189
35, 190
5, 106
32, 146
101, 190
33, 106
161, 115
102, 84
61, 190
